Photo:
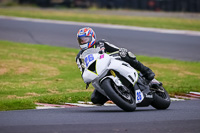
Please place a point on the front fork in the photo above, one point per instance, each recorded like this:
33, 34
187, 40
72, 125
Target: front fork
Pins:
139, 96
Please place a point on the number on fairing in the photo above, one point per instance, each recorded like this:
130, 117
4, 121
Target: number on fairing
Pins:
139, 96
88, 59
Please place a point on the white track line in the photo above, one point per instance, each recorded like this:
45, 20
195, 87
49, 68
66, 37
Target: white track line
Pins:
80, 104
110, 26
196, 93
176, 99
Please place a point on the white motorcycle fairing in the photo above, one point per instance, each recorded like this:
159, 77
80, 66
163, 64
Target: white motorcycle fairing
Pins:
98, 65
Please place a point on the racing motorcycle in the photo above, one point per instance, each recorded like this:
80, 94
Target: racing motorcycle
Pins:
120, 82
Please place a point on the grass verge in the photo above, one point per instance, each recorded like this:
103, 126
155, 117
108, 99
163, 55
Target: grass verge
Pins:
93, 17
41, 73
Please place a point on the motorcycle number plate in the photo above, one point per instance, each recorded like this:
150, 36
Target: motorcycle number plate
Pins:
88, 59
139, 96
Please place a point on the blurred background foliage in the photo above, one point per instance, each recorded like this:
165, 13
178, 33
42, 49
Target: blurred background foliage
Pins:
153, 5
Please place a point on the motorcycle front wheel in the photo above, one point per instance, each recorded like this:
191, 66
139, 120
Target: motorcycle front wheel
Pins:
124, 100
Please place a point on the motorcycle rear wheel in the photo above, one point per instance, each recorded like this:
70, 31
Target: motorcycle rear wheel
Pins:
110, 89
161, 99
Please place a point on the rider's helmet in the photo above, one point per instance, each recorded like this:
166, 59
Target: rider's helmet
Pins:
86, 38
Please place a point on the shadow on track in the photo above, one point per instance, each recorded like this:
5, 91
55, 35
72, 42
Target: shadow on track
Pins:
103, 109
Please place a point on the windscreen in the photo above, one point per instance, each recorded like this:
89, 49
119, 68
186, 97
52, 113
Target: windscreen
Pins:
90, 51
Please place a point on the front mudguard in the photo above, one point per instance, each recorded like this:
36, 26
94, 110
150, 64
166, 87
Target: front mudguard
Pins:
114, 79
98, 86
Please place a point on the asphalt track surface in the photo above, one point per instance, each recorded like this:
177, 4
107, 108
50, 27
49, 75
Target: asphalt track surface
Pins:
180, 117
175, 46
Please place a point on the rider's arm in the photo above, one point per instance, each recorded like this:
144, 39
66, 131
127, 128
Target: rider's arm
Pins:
110, 47
79, 62
106, 46
123, 52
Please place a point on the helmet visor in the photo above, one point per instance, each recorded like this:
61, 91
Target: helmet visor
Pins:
84, 39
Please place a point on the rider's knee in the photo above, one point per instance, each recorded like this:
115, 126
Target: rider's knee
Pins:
98, 98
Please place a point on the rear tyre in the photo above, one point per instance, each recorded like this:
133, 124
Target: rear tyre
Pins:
161, 99
124, 100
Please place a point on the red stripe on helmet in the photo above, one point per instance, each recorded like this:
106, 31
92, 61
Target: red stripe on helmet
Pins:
92, 34
89, 33
89, 44
85, 29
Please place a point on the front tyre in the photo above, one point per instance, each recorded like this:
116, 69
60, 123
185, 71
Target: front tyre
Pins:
161, 98
124, 100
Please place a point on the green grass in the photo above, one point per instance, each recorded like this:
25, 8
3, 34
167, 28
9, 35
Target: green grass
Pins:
93, 17
38, 73
41, 73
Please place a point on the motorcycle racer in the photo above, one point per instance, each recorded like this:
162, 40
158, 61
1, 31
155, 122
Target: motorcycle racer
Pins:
87, 39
